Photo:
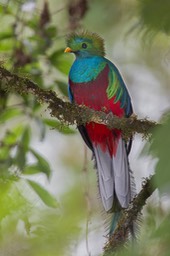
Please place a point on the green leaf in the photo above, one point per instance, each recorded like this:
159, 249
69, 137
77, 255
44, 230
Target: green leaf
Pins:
160, 149
155, 15
57, 125
6, 34
45, 196
63, 87
51, 31
9, 113
43, 165
12, 136
61, 61
8, 10
41, 127
25, 139
20, 158
13, 204
32, 169
32, 23
22, 149
7, 45
4, 153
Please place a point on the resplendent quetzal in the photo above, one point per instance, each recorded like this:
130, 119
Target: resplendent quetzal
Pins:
95, 82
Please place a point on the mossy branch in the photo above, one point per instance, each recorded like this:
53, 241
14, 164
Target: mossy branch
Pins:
129, 215
72, 113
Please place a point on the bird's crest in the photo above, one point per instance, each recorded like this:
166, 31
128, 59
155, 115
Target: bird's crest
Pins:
87, 36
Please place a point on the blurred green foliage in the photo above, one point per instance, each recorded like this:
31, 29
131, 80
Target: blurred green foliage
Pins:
160, 150
31, 44
28, 46
155, 16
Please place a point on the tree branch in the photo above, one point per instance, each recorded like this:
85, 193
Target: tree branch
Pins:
129, 215
71, 113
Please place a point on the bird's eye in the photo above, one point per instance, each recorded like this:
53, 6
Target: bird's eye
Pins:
84, 45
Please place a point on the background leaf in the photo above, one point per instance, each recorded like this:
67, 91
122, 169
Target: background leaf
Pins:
45, 196
155, 15
60, 127
43, 165
160, 149
60, 61
63, 87
9, 113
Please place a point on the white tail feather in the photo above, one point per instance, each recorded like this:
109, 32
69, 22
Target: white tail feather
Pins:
122, 175
114, 176
105, 177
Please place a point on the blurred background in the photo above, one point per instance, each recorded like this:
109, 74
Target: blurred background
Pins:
48, 194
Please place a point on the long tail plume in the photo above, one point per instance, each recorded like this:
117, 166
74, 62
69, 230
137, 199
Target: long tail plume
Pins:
117, 214
116, 182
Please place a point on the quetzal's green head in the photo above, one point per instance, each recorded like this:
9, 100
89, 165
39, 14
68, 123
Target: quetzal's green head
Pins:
85, 44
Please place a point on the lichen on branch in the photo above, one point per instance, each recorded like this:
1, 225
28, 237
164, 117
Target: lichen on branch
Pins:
71, 113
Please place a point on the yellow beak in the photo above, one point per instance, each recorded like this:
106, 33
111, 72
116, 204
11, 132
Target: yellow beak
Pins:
68, 49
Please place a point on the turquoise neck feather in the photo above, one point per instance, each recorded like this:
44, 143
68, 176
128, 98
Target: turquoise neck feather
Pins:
87, 69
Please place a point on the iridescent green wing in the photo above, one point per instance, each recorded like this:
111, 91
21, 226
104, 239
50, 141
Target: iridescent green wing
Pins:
117, 89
